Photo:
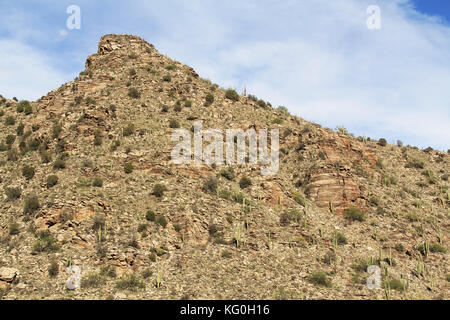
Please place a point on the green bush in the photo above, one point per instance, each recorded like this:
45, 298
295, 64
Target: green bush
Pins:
19, 129
320, 279
34, 144
59, 164
130, 282
56, 130
98, 183
51, 181
158, 190
13, 193
28, 172
228, 173
354, 214
10, 138
161, 220
150, 215
209, 99
167, 78
10, 121
45, 243
134, 93
53, 269
245, 182
128, 168
232, 95
210, 184
174, 124
128, 130
14, 228
92, 280
31, 204
382, 142
339, 238
12, 155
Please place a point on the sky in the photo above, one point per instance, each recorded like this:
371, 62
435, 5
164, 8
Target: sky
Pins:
318, 58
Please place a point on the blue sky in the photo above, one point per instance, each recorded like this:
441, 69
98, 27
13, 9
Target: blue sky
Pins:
316, 57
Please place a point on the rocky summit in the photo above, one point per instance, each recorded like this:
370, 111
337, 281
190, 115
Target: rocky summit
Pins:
93, 207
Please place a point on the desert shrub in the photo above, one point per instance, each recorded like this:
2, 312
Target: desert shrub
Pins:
210, 184
177, 108
150, 215
56, 130
53, 269
164, 108
232, 95
167, 78
412, 216
34, 144
12, 155
128, 130
320, 278
382, 142
225, 194
28, 109
228, 173
161, 220
128, 168
59, 164
290, 216
10, 138
13, 228
277, 121
261, 103
375, 200
19, 129
147, 273
45, 157
51, 181
174, 124
282, 109
108, 271
99, 221
299, 198
132, 55
28, 172
132, 72
171, 67
10, 121
354, 214
31, 204
92, 280
98, 183
416, 163
431, 247
13, 193
97, 138
158, 190
130, 282
245, 182
45, 243
209, 99
134, 93
188, 103
395, 284
339, 238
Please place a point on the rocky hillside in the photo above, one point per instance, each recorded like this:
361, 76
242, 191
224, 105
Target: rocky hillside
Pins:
87, 180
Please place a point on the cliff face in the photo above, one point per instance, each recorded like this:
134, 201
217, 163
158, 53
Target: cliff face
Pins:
87, 180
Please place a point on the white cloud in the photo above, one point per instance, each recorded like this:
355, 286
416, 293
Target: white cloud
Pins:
25, 72
319, 59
